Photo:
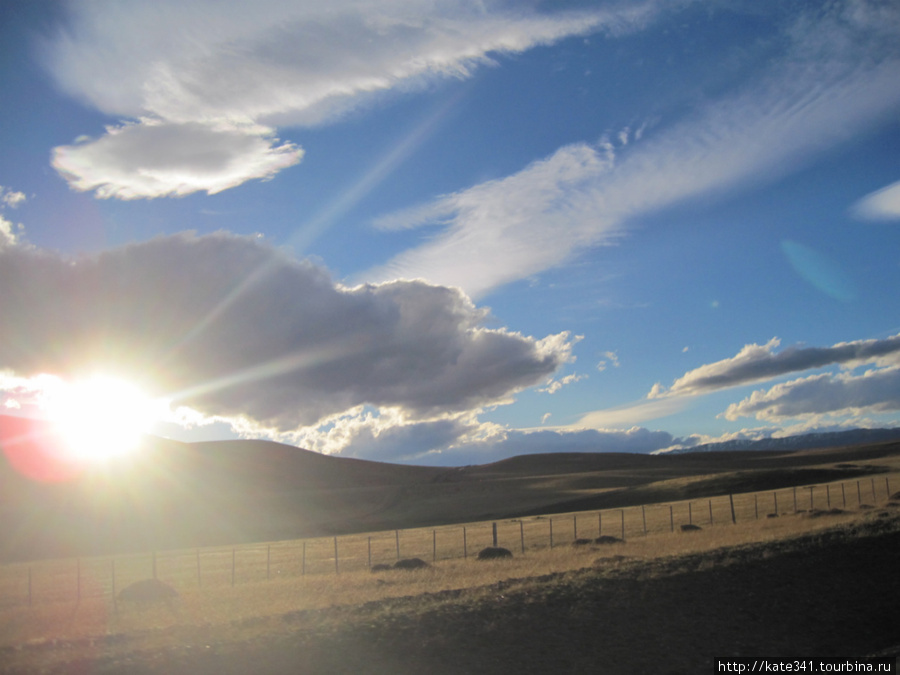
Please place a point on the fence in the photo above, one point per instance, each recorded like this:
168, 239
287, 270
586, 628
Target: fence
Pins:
67, 580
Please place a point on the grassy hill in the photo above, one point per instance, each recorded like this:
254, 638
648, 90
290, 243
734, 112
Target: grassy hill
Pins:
176, 495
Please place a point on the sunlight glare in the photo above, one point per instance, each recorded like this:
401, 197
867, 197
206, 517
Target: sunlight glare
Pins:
101, 417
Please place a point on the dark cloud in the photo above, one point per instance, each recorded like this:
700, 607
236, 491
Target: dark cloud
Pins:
233, 327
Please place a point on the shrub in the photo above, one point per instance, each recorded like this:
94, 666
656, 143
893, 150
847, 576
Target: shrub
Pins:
494, 553
148, 590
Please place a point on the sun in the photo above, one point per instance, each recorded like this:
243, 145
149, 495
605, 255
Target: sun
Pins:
101, 417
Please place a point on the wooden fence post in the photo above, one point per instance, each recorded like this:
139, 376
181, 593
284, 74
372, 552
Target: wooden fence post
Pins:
828, 495
843, 494
494, 534
644, 517
710, 512
397, 539
775, 497
433, 545
551, 533
690, 513
874, 497
336, 570
858, 494
622, 513
671, 519
465, 544
811, 502
599, 523
731, 501
575, 527
522, 534
887, 487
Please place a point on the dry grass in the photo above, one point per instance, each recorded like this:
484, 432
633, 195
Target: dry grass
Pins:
273, 581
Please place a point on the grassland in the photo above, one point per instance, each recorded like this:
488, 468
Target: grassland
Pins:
821, 579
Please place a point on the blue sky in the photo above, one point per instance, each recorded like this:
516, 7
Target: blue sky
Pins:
450, 232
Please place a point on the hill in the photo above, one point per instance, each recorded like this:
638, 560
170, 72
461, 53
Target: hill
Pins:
181, 495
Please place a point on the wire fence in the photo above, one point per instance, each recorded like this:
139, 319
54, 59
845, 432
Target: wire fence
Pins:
215, 567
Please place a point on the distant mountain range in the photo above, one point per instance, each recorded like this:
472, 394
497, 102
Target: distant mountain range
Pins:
830, 439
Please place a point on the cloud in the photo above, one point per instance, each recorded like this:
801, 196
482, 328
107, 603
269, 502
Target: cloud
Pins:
875, 391
158, 159
630, 414
755, 363
610, 357
11, 198
10, 233
272, 63
232, 327
554, 386
883, 204
837, 78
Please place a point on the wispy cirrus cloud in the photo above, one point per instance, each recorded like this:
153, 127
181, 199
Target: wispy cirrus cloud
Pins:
883, 204
836, 78
215, 79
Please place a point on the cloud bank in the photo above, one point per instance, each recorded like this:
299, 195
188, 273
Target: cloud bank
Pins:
234, 328
213, 79
836, 78
883, 204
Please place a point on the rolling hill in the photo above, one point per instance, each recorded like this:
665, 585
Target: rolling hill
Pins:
180, 495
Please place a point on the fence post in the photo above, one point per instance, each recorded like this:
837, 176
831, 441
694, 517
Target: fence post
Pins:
494, 534
397, 539
710, 513
671, 519
843, 494
268, 562
828, 495
336, 570
644, 517
369, 547
599, 523
756, 505
874, 497
622, 513
690, 513
551, 533
731, 501
465, 544
775, 497
433, 545
575, 526
795, 499
522, 534
811, 502
887, 487
858, 494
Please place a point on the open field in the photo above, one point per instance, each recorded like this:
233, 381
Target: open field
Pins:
811, 580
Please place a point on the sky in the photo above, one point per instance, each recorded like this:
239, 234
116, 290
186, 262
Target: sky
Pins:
450, 231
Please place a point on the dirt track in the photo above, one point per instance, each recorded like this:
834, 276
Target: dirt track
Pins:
827, 595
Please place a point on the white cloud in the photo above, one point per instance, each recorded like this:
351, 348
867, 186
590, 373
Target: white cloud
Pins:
186, 66
610, 358
231, 327
11, 198
159, 159
755, 363
838, 78
630, 414
554, 386
883, 204
875, 391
